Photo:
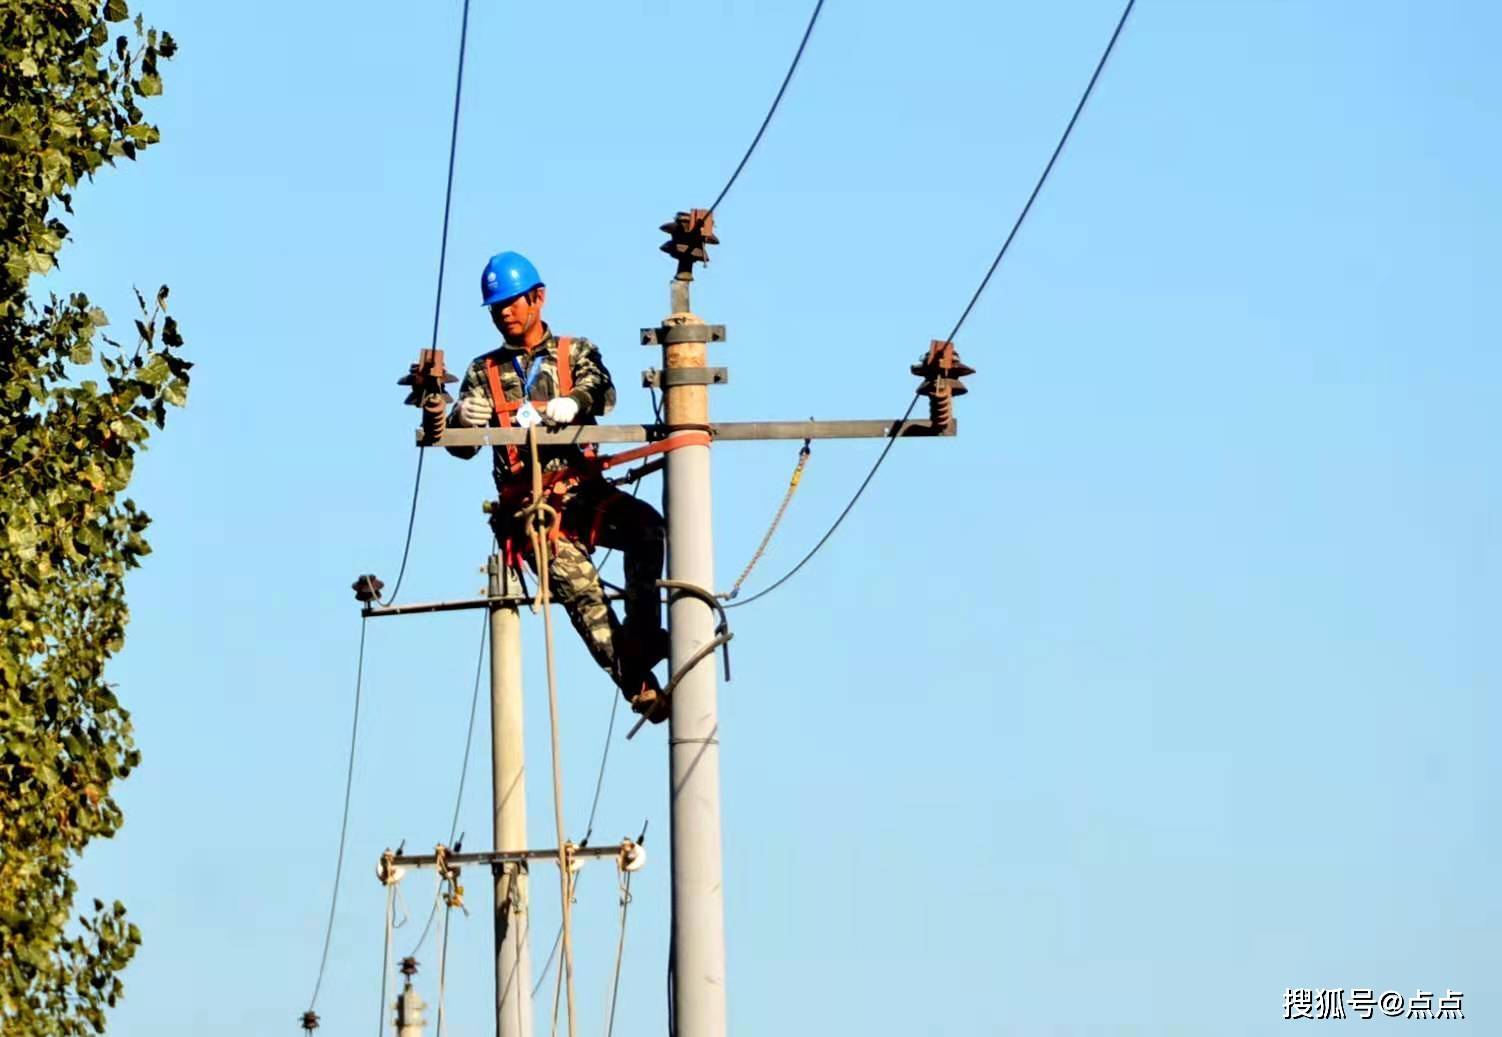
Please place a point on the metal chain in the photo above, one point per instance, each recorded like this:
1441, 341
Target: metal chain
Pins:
787, 499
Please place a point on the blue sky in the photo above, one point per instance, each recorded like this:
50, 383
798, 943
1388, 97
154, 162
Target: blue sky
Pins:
1168, 685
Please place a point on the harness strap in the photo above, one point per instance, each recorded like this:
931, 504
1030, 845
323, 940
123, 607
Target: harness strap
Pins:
565, 369
503, 411
504, 408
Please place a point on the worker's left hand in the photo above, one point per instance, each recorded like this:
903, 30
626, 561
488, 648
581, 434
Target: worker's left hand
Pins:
562, 410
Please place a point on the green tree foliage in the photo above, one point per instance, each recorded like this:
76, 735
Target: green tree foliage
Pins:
75, 407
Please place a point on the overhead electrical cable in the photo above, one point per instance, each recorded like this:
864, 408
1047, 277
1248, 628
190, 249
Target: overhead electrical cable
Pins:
975, 298
776, 101
469, 737
349, 781
411, 522
443, 252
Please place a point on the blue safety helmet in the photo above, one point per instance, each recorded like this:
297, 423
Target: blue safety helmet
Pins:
507, 275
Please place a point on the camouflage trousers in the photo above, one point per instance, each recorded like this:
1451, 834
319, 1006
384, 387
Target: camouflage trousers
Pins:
598, 514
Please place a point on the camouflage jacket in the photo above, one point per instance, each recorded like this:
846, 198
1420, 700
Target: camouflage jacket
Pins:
593, 391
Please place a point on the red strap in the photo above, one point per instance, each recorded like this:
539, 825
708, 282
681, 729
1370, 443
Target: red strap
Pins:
693, 437
565, 372
503, 409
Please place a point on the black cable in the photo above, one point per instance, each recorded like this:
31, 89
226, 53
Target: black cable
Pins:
411, 524
785, 577
469, 737
349, 782
443, 252
773, 110
615, 986
1016, 226
448, 192
589, 827
1038, 187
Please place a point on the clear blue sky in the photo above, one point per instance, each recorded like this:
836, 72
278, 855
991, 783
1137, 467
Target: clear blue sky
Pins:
1170, 684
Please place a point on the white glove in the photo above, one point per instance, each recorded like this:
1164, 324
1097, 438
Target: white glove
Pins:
475, 410
561, 410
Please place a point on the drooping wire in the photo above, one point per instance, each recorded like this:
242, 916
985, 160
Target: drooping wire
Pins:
443, 252
443, 958
846, 510
469, 737
995, 263
386, 955
411, 524
620, 954
797, 57
349, 783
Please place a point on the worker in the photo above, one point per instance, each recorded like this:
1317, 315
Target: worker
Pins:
537, 378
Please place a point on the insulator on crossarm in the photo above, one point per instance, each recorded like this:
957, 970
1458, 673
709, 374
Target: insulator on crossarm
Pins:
941, 371
435, 418
941, 405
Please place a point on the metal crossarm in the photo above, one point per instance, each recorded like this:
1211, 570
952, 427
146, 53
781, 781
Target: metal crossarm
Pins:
881, 428
428, 860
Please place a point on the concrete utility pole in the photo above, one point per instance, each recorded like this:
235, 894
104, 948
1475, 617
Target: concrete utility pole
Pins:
508, 781
693, 726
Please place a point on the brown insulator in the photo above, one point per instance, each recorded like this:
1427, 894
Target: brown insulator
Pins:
941, 405
435, 418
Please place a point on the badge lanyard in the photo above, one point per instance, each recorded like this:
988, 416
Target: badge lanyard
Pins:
526, 414
528, 378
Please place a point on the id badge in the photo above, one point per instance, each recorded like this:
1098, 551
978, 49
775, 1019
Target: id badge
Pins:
527, 416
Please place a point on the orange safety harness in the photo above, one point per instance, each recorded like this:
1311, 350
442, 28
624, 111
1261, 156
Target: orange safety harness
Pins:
558, 483
504, 408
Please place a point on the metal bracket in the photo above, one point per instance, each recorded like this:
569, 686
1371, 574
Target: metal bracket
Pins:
669, 377
675, 333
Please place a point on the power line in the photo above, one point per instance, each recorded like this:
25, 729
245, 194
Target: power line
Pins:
411, 523
349, 782
469, 737
797, 57
1038, 187
443, 253
1005, 245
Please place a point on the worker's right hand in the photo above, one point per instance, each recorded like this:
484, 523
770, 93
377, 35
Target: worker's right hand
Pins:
475, 410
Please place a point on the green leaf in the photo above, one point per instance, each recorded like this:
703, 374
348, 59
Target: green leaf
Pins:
150, 85
156, 370
116, 11
81, 353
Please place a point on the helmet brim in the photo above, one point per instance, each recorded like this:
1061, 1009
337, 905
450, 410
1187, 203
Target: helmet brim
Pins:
502, 300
